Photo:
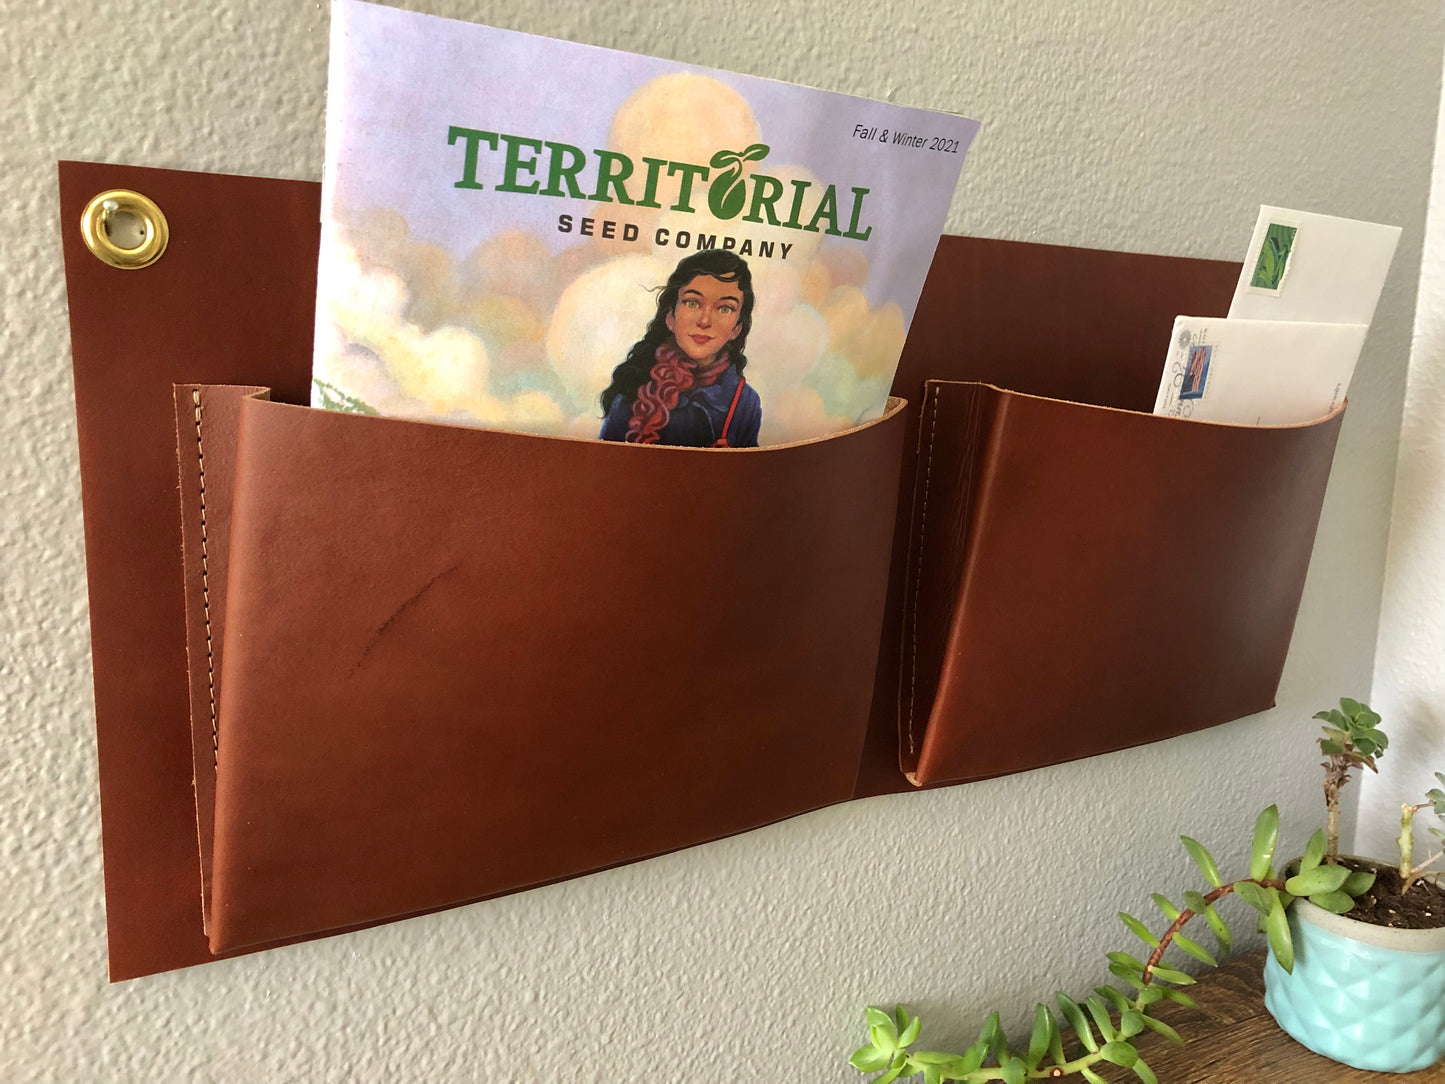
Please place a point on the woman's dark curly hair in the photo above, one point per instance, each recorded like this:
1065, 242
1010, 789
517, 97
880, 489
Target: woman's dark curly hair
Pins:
716, 263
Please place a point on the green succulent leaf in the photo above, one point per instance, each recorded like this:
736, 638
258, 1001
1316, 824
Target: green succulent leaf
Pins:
1144, 1073
1204, 860
910, 1030
1119, 1053
1276, 928
1319, 879
1314, 851
893, 1074
1152, 994
1056, 1046
1119, 1001
1351, 707
1358, 883
869, 1059
1266, 837
1199, 952
1437, 796
1178, 978
1014, 1071
1102, 1020
1217, 927
1075, 1016
1337, 902
1333, 717
932, 1074
1131, 1023
1129, 975
1222, 933
1162, 902
877, 1018
1139, 929
1330, 748
933, 1057
1132, 962
993, 1038
1043, 1034
971, 1060
1091, 1076
1259, 898
1163, 1029
1179, 997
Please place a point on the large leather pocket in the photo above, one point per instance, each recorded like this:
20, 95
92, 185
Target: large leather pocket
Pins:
460, 662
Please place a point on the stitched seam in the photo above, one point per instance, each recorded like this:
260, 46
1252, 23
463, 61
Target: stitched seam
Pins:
918, 574
206, 588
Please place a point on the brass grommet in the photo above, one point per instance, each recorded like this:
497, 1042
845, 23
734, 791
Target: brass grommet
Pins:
95, 228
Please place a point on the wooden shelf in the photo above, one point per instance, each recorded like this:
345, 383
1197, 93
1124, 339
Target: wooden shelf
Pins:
1231, 1039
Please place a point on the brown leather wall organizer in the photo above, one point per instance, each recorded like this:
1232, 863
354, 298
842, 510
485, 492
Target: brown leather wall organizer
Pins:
365, 667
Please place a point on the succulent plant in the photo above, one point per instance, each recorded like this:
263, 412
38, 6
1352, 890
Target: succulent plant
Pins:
1108, 1021
1352, 739
1409, 872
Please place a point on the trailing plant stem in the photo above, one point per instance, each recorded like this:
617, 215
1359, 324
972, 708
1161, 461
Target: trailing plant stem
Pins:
1043, 1072
1184, 916
1088, 1061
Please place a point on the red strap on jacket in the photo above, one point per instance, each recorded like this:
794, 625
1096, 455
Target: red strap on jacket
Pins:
722, 441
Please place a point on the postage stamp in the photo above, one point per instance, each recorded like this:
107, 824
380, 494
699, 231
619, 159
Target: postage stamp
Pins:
1272, 262
1196, 372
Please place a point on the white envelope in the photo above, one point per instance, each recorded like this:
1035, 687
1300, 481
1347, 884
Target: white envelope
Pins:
1257, 372
1314, 268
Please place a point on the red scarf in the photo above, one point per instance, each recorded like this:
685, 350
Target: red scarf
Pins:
672, 374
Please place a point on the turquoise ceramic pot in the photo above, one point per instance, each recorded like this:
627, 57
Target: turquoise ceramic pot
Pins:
1363, 995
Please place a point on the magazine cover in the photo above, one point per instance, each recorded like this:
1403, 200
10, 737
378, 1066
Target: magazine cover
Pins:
553, 238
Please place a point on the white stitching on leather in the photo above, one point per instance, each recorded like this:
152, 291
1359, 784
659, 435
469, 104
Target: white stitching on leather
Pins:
206, 586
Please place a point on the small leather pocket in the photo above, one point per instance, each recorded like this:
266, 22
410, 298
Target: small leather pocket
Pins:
1082, 579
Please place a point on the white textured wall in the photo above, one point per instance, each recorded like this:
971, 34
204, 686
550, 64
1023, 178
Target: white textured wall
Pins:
1119, 123
1409, 685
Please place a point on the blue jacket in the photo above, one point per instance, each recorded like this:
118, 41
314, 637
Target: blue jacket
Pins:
697, 420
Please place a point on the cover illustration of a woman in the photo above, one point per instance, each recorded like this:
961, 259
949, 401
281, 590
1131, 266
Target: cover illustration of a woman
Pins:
682, 382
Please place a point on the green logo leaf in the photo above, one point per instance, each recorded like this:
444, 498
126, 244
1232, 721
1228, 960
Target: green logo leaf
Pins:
729, 191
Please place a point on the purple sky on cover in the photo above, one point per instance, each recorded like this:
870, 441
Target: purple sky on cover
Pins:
406, 77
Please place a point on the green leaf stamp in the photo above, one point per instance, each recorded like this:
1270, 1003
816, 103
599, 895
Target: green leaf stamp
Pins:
1274, 254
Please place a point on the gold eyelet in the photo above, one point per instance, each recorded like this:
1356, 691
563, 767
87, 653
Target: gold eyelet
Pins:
95, 229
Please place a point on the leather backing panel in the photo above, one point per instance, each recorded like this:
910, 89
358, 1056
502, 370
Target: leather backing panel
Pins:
232, 301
